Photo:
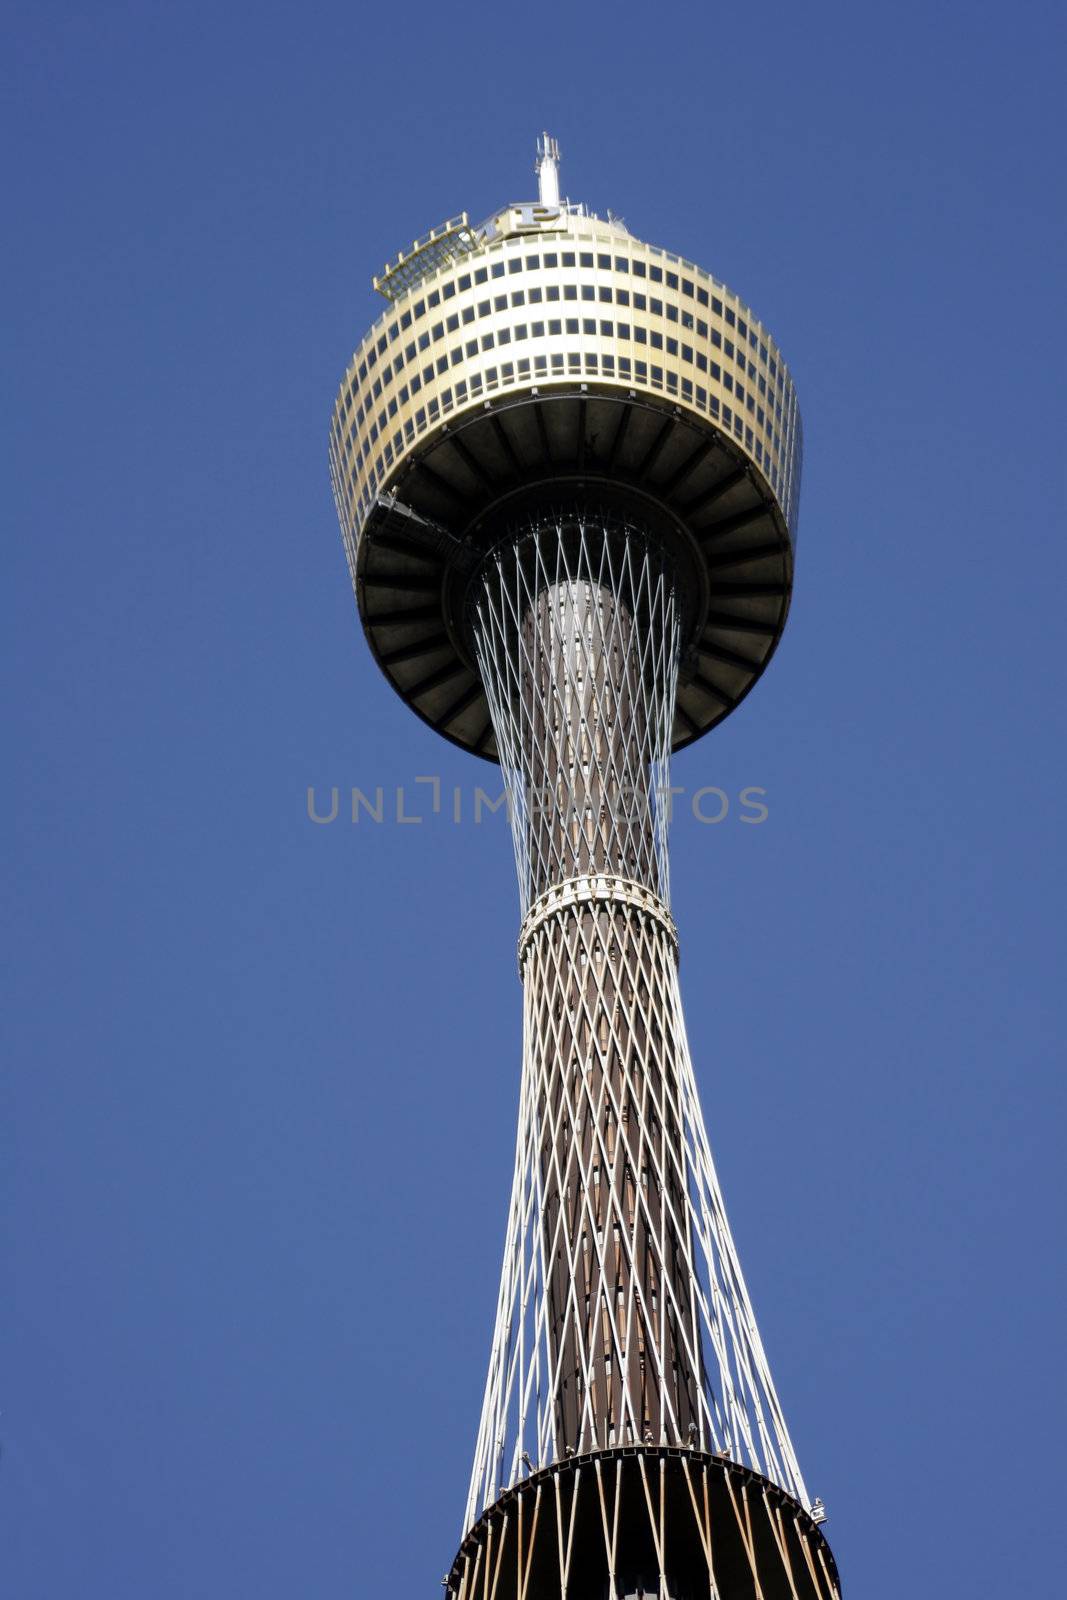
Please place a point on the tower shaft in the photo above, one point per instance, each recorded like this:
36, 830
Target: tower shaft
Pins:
596, 656
621, 1322
624, 1335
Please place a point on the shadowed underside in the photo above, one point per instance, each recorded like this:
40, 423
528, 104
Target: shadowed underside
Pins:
422, 541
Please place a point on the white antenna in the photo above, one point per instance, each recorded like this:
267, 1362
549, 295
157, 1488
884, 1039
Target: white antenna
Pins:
547, 169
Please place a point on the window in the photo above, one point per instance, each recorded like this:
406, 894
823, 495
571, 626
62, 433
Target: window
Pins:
588, 292
515, 266
450, 291
497, 269
567, 258
585, 258
532, 263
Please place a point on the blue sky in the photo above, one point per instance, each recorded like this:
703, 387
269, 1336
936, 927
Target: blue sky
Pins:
261, 1075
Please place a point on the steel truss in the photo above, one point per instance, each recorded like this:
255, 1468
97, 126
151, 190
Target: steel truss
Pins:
623, 1322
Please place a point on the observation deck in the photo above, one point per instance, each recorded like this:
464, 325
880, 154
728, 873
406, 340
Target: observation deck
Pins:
547, 356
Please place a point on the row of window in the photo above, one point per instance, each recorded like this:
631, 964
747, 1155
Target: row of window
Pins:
603, 295
572, 363
552, 260
771, 421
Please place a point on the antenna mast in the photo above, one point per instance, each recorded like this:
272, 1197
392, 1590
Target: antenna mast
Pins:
547, 169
